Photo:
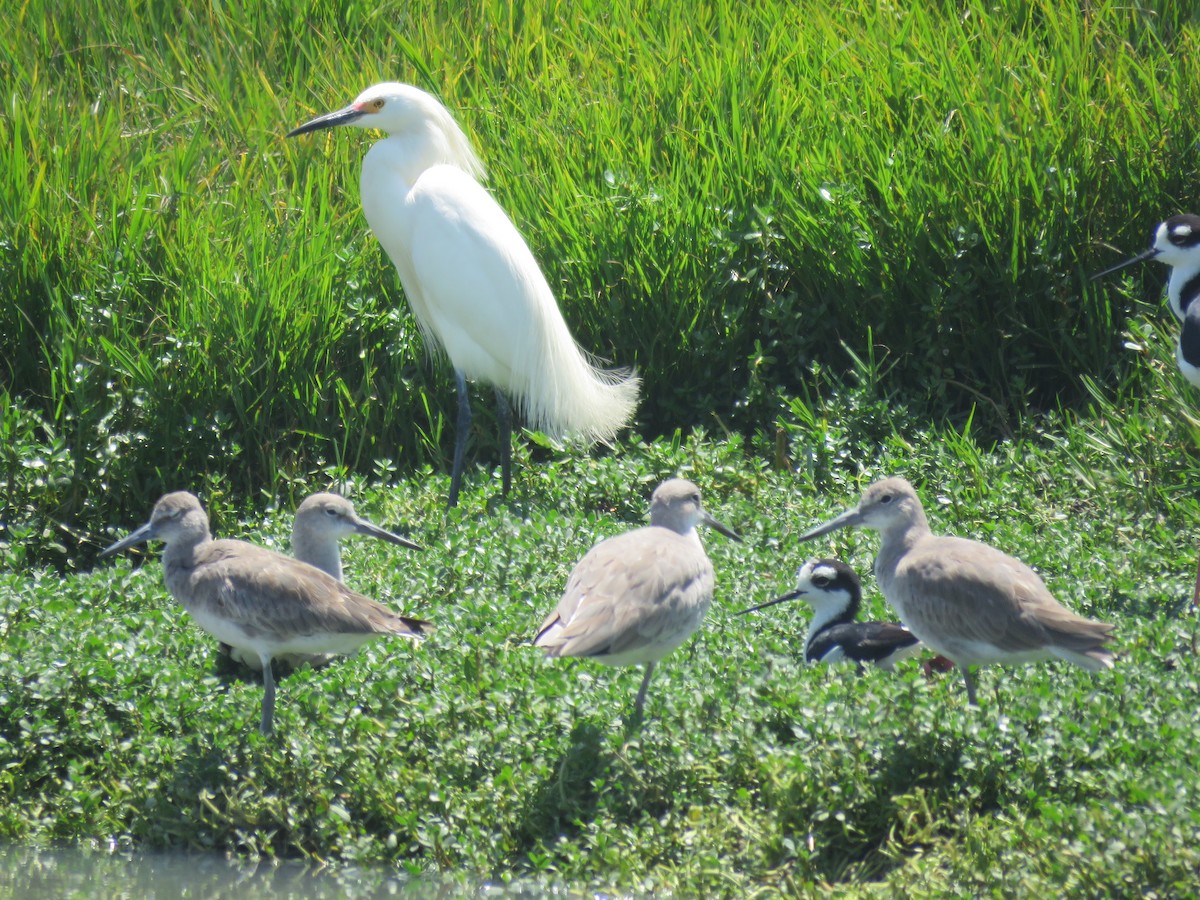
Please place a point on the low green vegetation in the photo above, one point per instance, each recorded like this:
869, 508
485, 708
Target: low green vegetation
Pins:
753, 774
837, 243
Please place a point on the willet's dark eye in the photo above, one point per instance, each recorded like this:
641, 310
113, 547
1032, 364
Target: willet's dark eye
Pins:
886, 498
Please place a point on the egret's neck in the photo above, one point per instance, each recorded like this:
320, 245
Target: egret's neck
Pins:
323, 554
397, 161
407, 154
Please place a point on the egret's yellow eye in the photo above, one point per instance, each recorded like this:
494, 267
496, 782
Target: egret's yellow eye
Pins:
375, 105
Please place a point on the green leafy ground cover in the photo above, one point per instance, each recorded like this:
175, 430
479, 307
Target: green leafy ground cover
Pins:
753, 774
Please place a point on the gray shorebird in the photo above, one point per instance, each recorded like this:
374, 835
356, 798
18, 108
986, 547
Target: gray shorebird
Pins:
969, 602
832, 588
257, 600
321, 522
635, 597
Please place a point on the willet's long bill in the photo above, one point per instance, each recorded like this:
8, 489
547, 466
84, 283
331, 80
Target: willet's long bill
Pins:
258, 600
966, 600
833, 590
635, 597
321, 522
470, 278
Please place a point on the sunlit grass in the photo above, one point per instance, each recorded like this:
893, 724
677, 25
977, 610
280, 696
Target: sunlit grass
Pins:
721, 197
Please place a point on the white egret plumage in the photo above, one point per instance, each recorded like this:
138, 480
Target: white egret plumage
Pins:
471, 280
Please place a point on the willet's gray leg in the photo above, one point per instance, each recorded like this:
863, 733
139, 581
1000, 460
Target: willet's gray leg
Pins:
268, 706
641, 694
970, 682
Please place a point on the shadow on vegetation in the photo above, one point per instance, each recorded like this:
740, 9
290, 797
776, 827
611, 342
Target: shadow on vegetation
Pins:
569, 798
227, 670
866, 824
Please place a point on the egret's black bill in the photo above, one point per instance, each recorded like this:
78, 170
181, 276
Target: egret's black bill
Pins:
329, 120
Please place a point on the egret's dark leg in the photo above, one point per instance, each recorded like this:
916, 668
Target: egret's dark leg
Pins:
966, 670
460, 437
268, 707
504, 421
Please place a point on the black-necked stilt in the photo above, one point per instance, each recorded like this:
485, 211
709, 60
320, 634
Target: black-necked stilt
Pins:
635, 597
257, 600
966, 600
1176, 242
833, 590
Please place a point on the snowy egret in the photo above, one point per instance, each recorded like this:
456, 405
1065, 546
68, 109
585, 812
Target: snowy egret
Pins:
970, 602
833, 590
257, 600
471, 279
635, 597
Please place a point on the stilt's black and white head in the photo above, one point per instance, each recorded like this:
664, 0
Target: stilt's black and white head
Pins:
1176, 242
833, 590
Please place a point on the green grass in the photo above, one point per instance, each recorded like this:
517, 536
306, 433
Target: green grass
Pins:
721, 197
753, 773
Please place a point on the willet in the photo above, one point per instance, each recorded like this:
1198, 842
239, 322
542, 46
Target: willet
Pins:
635, 597
833, 590
471, 280
966, 600
321, 522
258, 600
